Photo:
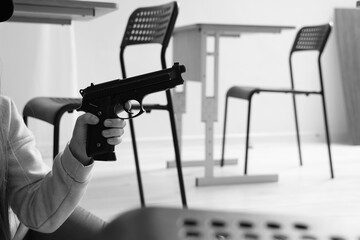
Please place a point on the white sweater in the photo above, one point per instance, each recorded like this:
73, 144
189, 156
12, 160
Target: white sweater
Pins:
41, 198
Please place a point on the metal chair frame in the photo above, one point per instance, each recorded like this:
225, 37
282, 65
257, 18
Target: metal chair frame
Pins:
153, 24
309, 38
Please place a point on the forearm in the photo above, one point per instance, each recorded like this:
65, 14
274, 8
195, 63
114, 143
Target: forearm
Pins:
81, 225
45, 204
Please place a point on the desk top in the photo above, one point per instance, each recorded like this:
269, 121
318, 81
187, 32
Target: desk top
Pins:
58, 12
232, 28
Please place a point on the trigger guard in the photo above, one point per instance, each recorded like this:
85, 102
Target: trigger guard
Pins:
131, 113
141, 111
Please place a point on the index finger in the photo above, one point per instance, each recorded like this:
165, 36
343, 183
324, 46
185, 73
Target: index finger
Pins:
119, 107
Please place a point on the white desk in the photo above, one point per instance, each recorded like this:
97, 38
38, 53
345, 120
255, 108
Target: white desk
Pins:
58, 12
190, 48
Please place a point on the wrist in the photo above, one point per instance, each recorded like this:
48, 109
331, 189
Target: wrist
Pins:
82, 158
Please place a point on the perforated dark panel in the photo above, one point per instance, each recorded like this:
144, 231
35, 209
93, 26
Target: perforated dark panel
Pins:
187, 224
148, 25
312, 38
220, 226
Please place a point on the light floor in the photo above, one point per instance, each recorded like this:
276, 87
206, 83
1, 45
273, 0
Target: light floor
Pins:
306, 190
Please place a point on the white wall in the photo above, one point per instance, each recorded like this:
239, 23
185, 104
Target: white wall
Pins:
58, 60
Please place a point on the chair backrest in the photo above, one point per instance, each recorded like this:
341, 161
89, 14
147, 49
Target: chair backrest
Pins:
311, 38
154, 24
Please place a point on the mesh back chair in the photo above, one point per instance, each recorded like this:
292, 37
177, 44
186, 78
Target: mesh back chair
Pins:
153, 25
309, 38
145, 25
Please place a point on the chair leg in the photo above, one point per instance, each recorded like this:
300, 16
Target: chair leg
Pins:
137, 165
247, 137
222, 161
56, 139
297, 129
177, 149
327, 136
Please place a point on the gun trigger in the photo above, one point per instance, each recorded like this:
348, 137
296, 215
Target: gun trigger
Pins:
128, 110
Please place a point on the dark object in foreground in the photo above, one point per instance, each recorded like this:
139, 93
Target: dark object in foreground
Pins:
155, 223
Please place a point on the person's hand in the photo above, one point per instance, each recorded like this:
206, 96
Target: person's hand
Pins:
78, 141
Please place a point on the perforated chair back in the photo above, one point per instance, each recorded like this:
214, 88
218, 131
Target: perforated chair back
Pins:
312, 38
150, 25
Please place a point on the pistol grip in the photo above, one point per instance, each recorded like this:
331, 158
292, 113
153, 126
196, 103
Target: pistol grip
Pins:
96, 145
110, 156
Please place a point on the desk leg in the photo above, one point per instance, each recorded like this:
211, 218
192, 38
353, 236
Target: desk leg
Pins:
179, 109
179, 103
209, 149
200, 47
209, 179
209, 116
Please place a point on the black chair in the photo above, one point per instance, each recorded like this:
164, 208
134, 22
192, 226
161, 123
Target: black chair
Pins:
148, 25
309, 38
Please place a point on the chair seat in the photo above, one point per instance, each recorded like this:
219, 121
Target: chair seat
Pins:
242, 92
248, 92
50, 108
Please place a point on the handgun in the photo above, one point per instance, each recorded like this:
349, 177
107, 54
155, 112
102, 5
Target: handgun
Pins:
104, 100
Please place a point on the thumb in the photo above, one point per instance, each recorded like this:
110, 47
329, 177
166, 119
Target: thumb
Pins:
87, 118
80, 129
